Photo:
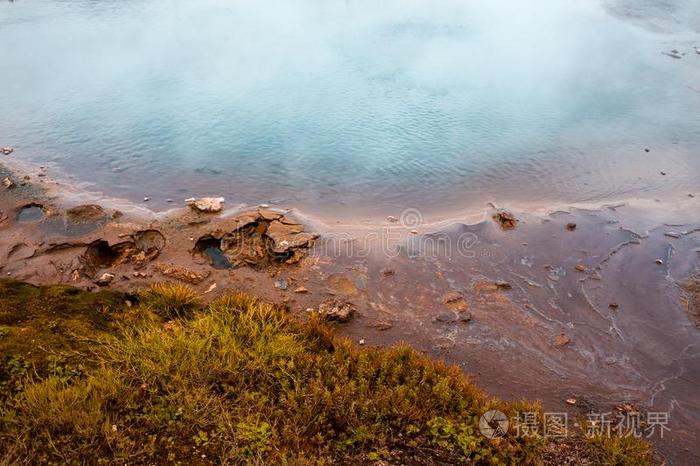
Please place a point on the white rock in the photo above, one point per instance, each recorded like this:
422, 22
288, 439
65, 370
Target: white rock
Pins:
207, 204
105, 279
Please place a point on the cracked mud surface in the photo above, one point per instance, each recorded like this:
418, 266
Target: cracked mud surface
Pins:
604, 312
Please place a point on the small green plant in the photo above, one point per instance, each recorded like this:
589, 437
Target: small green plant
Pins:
55, 326
14, 375
253, 437
201, 438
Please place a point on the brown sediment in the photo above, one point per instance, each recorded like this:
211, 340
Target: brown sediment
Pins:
85, 213
506, 219
693, 300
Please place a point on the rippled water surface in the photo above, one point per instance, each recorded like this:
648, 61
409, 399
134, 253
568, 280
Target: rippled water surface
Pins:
365, 105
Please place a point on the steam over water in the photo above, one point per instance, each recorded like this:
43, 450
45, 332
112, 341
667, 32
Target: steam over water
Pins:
369, 105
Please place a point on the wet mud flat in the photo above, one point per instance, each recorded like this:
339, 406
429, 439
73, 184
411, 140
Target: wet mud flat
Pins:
591, 311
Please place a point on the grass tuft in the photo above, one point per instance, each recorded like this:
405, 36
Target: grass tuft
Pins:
170, 300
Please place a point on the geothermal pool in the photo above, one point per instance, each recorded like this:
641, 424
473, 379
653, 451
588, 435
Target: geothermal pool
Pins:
356, 106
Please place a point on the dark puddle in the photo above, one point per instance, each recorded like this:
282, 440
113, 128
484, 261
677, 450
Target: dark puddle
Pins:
210, 249
77, 221
30, 213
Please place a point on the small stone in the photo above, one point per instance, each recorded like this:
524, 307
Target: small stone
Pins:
8, 183
169, 201
663, 173
571, 401
281, 284
381, 326
146, 199
465, 317
561, 340
336, 310
7, 150
503, 285
264, 206
691, 195
301, 289
659, 261
672, 234
182, 273
580, 268
387, 272
362, 341
613, 305
455, 301
105, 279
506, 219
392, 219
571, 226
445, 317
647, 150
207, 204
414, 232
211, 288
451, 297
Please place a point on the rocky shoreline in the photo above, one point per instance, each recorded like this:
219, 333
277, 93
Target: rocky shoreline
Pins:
595, 305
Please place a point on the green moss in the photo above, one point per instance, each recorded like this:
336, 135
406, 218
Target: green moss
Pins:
238, 383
